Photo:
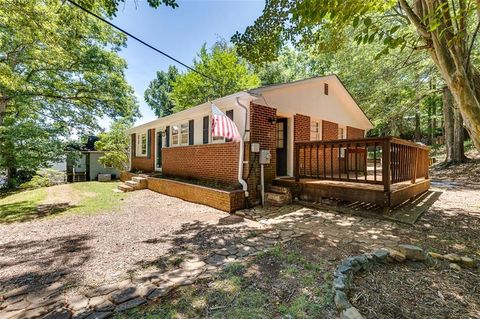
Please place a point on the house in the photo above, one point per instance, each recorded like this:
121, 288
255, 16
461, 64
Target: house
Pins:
86, 166
275, 118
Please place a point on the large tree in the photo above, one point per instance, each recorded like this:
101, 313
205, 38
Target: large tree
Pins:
221, 63
114, 144
157, 95
447, 29
59, 73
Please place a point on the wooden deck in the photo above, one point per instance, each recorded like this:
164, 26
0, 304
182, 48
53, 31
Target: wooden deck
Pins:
383, 171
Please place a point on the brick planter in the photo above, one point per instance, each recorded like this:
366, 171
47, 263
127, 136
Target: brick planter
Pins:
228, 201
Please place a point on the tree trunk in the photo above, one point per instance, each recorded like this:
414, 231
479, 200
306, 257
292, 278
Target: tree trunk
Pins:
458, 136
448, 121
450, 53
454, 135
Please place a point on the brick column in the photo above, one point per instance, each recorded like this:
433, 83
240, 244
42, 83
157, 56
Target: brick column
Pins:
353, 132
329, 131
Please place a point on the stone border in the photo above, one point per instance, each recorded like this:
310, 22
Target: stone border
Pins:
344, 273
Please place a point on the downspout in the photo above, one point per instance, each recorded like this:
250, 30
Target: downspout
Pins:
242, 149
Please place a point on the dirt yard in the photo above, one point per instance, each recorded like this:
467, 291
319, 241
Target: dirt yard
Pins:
94, 249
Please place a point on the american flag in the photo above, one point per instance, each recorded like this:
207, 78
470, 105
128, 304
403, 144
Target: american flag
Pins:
222, 126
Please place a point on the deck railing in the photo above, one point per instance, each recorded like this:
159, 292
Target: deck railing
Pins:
378, 160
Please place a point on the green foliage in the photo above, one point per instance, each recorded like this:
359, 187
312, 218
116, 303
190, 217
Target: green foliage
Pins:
44, 178
59, 73
96, 197
114, 144
221, 63
157, 95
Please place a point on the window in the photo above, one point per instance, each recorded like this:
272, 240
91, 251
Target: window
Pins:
315, 131
280, 134
142, 144
175, 133
342, 134
180, 134
184, 133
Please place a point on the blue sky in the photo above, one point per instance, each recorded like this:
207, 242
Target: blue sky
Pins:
179, 32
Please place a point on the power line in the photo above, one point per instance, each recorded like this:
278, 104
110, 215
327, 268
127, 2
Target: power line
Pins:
141, 41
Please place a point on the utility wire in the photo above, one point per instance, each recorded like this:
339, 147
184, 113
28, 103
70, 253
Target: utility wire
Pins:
142, 42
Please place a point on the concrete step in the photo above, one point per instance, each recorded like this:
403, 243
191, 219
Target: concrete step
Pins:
142, 181
133, 184
277, 199
279, 189
125, 188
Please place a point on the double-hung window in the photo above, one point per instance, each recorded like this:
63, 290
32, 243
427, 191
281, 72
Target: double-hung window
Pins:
315, 130
180, 134
184, 133
142, 144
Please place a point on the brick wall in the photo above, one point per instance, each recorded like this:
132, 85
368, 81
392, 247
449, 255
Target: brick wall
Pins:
329, 131
143, 163
301, 128
264, 133
209, 162
353, 132
219, 199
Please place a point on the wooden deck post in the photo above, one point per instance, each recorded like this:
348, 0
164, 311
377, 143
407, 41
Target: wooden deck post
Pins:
386, 163
297, 163
415, 166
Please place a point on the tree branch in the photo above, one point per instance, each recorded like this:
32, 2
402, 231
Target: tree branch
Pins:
469, 53
415, 19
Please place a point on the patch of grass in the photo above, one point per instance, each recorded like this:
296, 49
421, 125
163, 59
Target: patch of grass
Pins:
229, 295
97, 196
21, 206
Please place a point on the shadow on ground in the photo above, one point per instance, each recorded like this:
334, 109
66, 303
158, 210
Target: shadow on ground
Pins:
28, 210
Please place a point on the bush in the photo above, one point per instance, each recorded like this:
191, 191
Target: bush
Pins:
45, 177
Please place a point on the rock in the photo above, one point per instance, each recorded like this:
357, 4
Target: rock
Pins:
412, 252
435, 255
341, 301
216, 260
99, 315
380, 255
15, 292
397, 256
105, 306
123, 295
58, 314
339, 282
454, 258
158, 293
455, 266
77, 302
231, 219
130, 304
467, 262
192, 265
351, 313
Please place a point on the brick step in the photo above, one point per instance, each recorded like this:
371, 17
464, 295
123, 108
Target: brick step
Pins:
279, 189
277, 199
133, 184
142, 181
125, 188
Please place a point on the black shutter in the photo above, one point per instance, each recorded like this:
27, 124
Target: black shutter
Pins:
190, 132
229, 114
149, 149
167, 136
134, 144
206, 129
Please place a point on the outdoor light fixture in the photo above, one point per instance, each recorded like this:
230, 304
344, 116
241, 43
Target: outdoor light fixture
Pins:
272, 120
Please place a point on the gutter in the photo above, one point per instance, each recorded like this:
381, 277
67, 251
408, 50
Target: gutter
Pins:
242, 149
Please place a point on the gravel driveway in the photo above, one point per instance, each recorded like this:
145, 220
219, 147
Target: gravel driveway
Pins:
97, 248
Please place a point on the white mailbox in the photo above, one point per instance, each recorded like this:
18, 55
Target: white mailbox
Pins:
265, 156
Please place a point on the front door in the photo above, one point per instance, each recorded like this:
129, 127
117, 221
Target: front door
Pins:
281, 147
158, 164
